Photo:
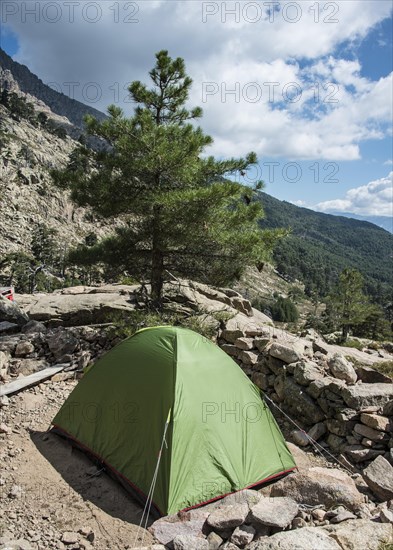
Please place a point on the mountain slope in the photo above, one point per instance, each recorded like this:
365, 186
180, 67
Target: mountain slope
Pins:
322, 245
385, 222
59, 103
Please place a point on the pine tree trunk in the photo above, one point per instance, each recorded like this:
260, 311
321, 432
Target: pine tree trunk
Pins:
157, 262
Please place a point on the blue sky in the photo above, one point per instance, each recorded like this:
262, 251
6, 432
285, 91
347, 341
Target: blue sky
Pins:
327, 123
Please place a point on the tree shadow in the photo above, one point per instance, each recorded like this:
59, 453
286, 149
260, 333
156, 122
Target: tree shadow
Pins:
79, 472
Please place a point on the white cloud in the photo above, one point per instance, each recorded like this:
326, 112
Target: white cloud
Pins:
373, 199
224, 50
388, 162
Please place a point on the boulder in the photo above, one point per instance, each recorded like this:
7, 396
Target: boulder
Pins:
11, 312
379, 477
358, 453
248, 357
370, 433
32, 327
24, 348
274, 512
243, 535
299, 437
167, 528
388, 408
316, 486
371, 376
62, 342
245, 496
317, 431
77, 309
308, 538
342, 369
190, 542
307, 372
228, 516
360, 533
244, 343
299, 404
8, 328
214, 541
362, 396
301, 458
377, 422
284, 353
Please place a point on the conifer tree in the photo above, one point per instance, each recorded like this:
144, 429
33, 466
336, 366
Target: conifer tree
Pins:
180, 210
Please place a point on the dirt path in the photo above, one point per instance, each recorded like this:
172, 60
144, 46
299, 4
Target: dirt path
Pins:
47, 488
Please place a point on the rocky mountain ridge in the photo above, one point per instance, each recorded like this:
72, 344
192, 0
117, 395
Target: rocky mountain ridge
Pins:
30, 84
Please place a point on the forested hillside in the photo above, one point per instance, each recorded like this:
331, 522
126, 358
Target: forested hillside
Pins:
320, 246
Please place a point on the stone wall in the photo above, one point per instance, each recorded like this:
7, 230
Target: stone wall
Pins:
345, 407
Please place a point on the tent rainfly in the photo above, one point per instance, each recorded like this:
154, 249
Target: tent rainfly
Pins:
170, 388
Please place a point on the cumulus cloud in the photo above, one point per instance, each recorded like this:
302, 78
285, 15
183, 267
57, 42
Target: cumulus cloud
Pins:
373, 199
259, 98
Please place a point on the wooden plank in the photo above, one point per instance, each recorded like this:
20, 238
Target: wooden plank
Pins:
30, 380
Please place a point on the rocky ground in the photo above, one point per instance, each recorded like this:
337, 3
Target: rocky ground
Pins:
52, 496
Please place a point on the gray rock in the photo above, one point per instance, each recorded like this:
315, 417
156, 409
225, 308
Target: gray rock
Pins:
284, 353
231, 335
32, 327
243, 535
300, 438
388, 408
308, 538
371, 376
379, 477
8, 328
24, 348
298, 523
167, 528
316, 486
377, 422
15, 492
274, 512
214, 541
358, 453
229, 546
339, 515
261, 343
190, 542
245, 496
11, 312
386, 515
248, 357
361, 396
307, 372
317, 431
244, 343
342, 369
370, 433
69, 537
360, 533
228, 517
300, 404
62, 342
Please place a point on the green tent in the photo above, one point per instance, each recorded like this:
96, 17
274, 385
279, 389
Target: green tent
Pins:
170, 388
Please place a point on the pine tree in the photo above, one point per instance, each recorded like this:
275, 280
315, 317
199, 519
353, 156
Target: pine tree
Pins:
180, 211
348, 304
